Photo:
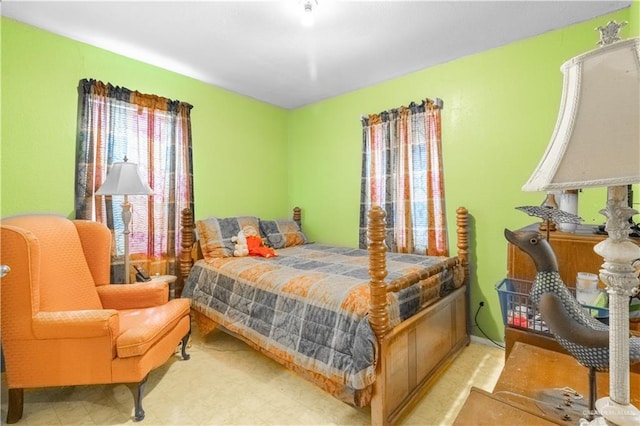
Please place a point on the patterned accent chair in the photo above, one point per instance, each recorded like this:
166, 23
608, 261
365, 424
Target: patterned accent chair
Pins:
63, 323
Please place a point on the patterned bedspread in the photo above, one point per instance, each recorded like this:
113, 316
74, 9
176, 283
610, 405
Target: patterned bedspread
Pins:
307, 308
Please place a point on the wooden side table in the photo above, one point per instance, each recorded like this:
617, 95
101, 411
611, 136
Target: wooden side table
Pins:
171, 279
484, 408
530, 371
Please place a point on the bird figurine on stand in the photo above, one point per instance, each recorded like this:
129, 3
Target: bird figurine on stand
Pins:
583, 336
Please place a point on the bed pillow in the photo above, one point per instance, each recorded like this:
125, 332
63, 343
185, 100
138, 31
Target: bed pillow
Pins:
282, 233
215, 234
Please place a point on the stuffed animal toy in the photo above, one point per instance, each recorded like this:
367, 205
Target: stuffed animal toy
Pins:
250, 231
240, 248
255, 244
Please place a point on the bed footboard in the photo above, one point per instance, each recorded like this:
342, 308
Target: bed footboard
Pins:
414, 353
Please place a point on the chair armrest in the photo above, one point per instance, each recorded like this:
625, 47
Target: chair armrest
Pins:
76, 324
134, 296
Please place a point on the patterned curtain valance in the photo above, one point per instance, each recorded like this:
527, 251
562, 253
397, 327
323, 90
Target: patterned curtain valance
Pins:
393, 114
98, 88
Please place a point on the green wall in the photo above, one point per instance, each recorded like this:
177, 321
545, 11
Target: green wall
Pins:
239, 144
253, 158
500, 108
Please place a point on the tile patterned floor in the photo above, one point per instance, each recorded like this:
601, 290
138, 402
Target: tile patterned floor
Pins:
227, 383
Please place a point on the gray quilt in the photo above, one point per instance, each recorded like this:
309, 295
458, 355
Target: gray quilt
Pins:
307, 308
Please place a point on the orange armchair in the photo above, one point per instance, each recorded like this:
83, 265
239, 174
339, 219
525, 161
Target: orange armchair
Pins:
63, 324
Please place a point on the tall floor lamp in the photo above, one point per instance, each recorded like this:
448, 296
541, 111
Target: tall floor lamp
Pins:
596, 143
124, 179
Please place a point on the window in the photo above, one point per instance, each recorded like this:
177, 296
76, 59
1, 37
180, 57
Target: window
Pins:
153, 132
402, 173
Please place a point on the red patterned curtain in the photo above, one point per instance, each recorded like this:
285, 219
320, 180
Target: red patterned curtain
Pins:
153, 132
402, 173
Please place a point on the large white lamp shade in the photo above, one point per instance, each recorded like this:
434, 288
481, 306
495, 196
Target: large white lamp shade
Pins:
596, 140
124, 179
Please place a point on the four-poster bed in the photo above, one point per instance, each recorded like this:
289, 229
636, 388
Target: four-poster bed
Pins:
378, 334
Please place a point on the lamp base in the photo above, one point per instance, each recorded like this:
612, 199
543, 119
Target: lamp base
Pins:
614, 413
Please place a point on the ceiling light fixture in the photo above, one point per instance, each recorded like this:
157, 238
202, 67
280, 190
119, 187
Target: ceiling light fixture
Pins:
307, 14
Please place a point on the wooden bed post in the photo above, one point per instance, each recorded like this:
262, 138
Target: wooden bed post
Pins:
297, 216
186, 262
378, 316
462, 222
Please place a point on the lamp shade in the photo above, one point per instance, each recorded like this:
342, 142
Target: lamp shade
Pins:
124, 179
596, 140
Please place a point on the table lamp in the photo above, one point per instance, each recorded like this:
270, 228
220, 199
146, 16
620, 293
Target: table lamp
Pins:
123, 179
596, 143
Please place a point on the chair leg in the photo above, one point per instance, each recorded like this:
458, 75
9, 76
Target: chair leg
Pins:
185, 340
16, 405
139, 410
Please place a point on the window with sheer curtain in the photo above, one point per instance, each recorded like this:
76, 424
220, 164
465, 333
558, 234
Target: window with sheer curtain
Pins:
402, 173
153, 132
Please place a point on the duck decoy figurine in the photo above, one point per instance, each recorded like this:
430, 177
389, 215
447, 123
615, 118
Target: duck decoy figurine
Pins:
583, 336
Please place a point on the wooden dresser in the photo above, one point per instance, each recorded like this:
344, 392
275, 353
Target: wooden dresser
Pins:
575, 254
573, 250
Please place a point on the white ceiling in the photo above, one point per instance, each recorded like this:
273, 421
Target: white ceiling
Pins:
261, 50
